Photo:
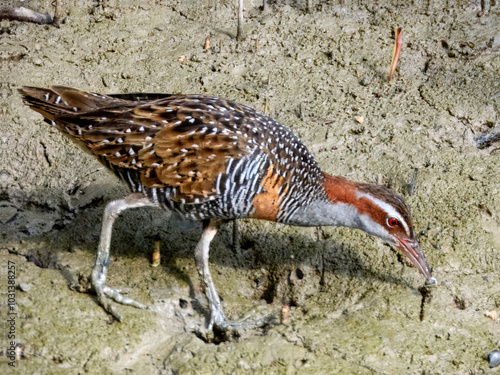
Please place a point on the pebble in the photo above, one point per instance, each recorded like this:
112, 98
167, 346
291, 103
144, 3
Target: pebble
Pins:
365, 81
494, 358
24, 287
430, 282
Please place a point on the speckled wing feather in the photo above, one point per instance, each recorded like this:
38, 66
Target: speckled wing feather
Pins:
176, 141
186, 142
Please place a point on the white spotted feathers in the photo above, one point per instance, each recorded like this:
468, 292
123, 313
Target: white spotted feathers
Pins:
187, 150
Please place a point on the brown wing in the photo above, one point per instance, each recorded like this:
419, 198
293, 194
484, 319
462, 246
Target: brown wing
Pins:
182, 144
181, 141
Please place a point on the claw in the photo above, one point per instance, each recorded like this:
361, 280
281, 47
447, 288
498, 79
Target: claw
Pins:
115, 295
98, 277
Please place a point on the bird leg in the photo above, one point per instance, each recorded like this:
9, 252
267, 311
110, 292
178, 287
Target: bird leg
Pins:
98, 277
201, 258
217, 319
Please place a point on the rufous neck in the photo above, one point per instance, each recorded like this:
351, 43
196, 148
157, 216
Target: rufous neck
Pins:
339, 189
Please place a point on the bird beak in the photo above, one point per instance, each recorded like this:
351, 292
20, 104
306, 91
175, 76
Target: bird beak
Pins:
412, 250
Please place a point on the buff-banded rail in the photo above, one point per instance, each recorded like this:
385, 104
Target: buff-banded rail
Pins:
213, 160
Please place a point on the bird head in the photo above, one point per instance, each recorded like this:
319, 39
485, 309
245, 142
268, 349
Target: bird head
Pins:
378, 211
385, 214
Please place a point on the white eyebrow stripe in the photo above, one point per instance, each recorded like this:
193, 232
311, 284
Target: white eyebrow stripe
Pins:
390, 211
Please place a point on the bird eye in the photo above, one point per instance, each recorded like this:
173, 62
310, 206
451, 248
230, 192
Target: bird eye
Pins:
392, 222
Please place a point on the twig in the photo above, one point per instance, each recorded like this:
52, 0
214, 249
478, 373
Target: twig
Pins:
426, 294
57, 13
308, 6
266, 105
411, 187
322, 279
485, 139
397, 50
239, 32
323, 121
285, 314
236, 237
23, 14
156, 257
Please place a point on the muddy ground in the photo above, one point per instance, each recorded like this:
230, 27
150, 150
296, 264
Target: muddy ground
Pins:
355, 307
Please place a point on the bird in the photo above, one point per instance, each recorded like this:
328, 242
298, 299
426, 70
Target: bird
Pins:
210, 159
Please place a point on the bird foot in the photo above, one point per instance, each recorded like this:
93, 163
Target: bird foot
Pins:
105, 293
117, 296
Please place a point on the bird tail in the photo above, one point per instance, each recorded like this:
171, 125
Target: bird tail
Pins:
61, 101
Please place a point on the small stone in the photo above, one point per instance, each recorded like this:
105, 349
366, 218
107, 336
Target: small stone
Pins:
495, 42
243, 365
24, 287
365, 81
431, 282
494, 358
195, 58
